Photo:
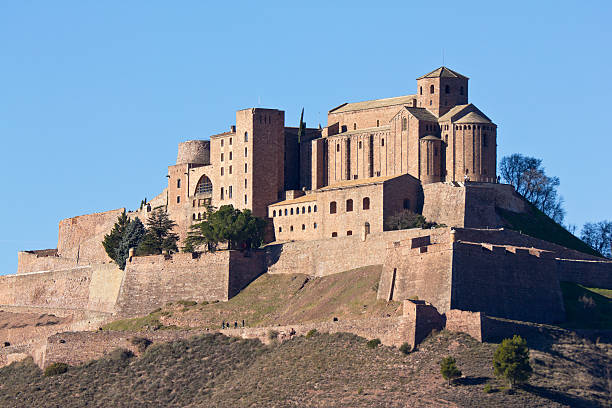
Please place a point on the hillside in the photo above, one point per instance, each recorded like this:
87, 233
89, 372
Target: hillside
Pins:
280, 299
319, 370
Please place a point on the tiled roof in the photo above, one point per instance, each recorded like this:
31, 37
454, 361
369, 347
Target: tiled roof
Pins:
375, 103
364, 130
454, 110
443, 72
473, 117
301, 199
358, 182
422, 114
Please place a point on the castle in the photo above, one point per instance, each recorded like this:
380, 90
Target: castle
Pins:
326, 194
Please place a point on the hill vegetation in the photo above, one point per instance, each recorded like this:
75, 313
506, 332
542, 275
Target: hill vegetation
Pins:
317, 370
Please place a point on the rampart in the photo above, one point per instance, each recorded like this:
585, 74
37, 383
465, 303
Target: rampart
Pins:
45, 260
151, 281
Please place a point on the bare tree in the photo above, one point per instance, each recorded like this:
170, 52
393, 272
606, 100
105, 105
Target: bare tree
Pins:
598, 235
529, 179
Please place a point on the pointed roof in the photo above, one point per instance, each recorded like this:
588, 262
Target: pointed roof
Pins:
473, 117
375, 103
443, 72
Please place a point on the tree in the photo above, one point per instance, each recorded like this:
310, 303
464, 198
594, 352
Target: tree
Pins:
133, 235
124, 235
159, 236
239, 229
529, 179
511, 361
406, 219
598, 235
449, 370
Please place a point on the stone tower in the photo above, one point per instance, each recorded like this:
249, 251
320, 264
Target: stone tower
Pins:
442, 89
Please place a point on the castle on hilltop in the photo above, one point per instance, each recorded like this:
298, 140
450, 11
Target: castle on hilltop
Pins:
326, 194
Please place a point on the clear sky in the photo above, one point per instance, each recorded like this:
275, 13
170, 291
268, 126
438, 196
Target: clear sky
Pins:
95, 96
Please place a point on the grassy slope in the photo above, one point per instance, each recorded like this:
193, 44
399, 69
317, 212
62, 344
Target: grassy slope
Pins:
538, 225
281, 299
321, 370
587, 307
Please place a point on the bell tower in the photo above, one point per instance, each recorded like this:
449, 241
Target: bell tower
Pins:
442, 89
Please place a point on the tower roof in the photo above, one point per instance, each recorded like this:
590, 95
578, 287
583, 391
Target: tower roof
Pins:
443, 72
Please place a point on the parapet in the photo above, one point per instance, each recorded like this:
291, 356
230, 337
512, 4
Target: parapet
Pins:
194, 152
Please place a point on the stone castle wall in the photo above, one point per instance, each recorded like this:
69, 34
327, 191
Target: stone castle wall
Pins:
46, 260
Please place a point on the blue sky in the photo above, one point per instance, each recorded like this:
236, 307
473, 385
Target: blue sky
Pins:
95, 96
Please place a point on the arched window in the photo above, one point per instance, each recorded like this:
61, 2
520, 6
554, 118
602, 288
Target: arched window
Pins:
246, 168
338, 147
314, 225
461, 91
431, 89
280, 229
291, 211
382, 142
421, 90
230, 141
303, 227
246, 138
309, 208
199, 216
194, 216
204, 186
303, 210
366, 203
291, 228
349, 233
222, 195
354, 126
221, 170
297, 210
274, 213
332, 207
377, 123
178, 183
447, 89
349, 205
404, 123
231, 156
314, 208
367, 227
246, 153
285, 211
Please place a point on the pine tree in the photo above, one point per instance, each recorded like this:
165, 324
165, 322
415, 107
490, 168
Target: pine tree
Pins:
113, 239
511, 361
133, 235
449, 370
159, 236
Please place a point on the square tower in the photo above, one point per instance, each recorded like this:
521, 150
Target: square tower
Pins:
442, 89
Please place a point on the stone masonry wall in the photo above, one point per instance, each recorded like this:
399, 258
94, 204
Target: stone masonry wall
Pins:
35, 261
594, 274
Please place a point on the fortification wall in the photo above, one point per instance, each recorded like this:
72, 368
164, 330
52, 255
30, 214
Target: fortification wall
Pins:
333, 255
594, 274
514, 285
80, 238
45, 260
92, 287
452, 213
465, 322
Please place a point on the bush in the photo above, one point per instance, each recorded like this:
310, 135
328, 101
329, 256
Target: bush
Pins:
120, 354
373, 343
312, 332
272, 335
488, 389
511, 361
405, 348
449, 370
56, 369
187, 302
141, 343
406, 219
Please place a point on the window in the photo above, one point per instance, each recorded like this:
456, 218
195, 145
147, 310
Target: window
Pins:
366, 203
447, 89
303, 227
246, 138
221, 142
431, 91
445, 138
193, 218
303, 210
221, 170
230, 141
382, 142
349, 205
404, 123
332, 207
337, 147
367, 227
309, 208
178, 183
204, 186
430, 102
343, 128
230, 169
377, 123
245, 199
334, 234
280, 229
221, 156
246, 152
354, 126
349, 233
246, 168
274, 213
222, 193
421, 90
230, 155
461, 91
291, 211
285, 211
245, 183
178, 199
406, 204
291, 228
199, 216
297, 210
229, 193
314, 208
314, 225
360, 144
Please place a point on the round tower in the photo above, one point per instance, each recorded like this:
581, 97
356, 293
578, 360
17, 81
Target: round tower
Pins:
430, 148
194, 152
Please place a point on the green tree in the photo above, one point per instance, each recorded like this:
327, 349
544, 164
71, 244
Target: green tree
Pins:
449, 370
113, 239
239, 229
132, 237
159, 236
511, 361
405, 219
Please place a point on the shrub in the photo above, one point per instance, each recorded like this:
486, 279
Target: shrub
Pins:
187, 302
120, 354
141, 343
449, 370
406, 219
488, 389
56, 369
405, 348
272, 335
204, 302
373, 343
511, 361
311, 332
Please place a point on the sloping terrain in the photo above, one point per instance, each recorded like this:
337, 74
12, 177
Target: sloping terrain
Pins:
587, 308
315, 371
280, 299
538, 225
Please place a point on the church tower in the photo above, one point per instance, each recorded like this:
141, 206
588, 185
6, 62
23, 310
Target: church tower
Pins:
442, 89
